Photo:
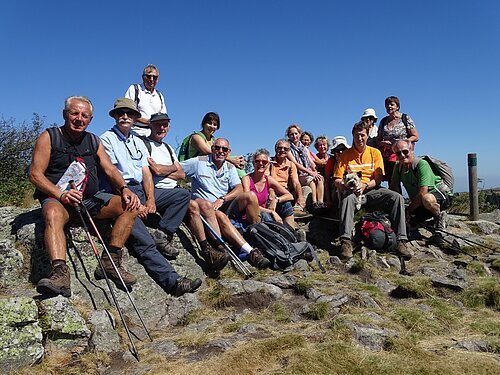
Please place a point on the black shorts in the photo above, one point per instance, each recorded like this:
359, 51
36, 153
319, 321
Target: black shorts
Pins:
93, 204
421, 214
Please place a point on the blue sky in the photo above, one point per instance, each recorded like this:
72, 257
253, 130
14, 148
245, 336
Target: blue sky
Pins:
263, 65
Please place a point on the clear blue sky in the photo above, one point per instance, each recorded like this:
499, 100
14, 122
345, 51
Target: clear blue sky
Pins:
265, 64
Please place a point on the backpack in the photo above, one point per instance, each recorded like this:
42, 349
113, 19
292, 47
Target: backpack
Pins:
376, 232
136, 97
279, 244
147, 143
441, 169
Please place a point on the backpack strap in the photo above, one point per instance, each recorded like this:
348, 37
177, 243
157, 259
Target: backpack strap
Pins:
136, 97
147, 143
161, 96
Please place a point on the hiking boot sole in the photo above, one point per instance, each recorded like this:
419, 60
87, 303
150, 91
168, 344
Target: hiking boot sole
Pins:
46, 288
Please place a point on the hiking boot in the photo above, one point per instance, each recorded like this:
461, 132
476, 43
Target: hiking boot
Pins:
128, 278
164, 244
58, 282
184, 285
404, 251
440, 221
345, 249
256, 259
215, 259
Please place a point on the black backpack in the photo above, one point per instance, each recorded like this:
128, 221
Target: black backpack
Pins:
376, 232
279, 244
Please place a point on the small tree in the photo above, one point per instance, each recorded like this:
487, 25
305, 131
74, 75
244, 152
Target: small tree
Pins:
16, 146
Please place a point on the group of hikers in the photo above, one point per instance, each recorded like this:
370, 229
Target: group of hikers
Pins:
131, 174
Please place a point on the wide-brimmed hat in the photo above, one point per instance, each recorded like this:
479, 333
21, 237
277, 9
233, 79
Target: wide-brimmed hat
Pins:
124, 103
339, 140
159, 117
369, 112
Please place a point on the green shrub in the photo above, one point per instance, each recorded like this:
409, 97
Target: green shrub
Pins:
16, 146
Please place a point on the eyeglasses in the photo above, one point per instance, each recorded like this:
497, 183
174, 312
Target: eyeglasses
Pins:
129, 113
137, 152
217, 148
261, 161
403, 152
150, 76
283, 148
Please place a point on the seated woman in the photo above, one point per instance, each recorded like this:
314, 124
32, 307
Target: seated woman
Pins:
392, 128
275, 205
306, 138
200, 143
308, 175
339, 144
321, 144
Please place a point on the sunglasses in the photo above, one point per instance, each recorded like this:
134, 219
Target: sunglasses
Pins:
402, 152
282, 149
121, 112
151, 76
259, 161
217, 148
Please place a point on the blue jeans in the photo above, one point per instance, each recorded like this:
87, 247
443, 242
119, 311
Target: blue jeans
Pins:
160, 270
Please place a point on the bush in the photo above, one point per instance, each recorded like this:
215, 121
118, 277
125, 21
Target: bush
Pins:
16, 146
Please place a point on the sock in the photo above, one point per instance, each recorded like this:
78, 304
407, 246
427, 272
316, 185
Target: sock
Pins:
204, 244
114, 249
246, 248
58, 262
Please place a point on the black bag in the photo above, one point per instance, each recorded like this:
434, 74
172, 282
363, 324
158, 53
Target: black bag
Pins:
376, 232
279, 244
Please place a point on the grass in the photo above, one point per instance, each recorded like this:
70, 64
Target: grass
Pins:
318, 311
413, 287
484, 293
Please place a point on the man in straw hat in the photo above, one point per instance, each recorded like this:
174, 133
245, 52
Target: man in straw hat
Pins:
129, 154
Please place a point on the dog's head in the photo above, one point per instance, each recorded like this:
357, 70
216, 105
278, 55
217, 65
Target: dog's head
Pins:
352, 179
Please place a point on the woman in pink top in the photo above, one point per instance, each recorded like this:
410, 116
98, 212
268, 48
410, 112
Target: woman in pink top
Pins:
274, 200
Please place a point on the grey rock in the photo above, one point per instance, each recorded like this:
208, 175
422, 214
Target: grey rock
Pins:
473, 346
166, 348
20, 334
446, 282
484, 227
394, 263
385, 286
104, 336
202, 326
282, 281
221, 344
240, 287
363, 299
301, 265
424, 308
11, 264
248, 328
370, 337
63, 324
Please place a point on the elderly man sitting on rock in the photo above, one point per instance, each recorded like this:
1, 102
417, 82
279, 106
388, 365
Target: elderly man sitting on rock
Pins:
55, 150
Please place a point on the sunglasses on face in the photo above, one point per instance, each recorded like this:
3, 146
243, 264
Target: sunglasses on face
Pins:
151, 76
121, 112
259, 161
402, 152
217, 148
282, 149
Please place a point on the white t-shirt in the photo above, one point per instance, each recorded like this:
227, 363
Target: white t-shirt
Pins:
149, 103
160, 155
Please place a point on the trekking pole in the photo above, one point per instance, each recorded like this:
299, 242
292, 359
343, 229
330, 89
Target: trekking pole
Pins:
240, 266
116, 270
431, 229
134, 351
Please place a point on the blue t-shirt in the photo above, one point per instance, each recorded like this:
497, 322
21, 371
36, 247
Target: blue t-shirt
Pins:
207, 183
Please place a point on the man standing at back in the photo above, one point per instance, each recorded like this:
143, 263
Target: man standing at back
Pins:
54, 151
147, 99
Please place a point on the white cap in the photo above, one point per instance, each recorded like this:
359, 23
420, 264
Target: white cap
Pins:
369, 112
339, 140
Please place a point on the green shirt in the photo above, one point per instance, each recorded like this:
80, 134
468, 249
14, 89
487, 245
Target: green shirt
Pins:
413, 179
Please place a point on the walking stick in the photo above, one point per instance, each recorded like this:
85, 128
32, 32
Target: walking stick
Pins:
238, 264
134, 351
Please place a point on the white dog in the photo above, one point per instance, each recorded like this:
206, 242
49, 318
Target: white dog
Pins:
352, 181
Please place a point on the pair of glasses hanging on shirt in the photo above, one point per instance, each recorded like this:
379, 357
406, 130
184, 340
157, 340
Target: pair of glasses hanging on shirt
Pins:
138, 153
